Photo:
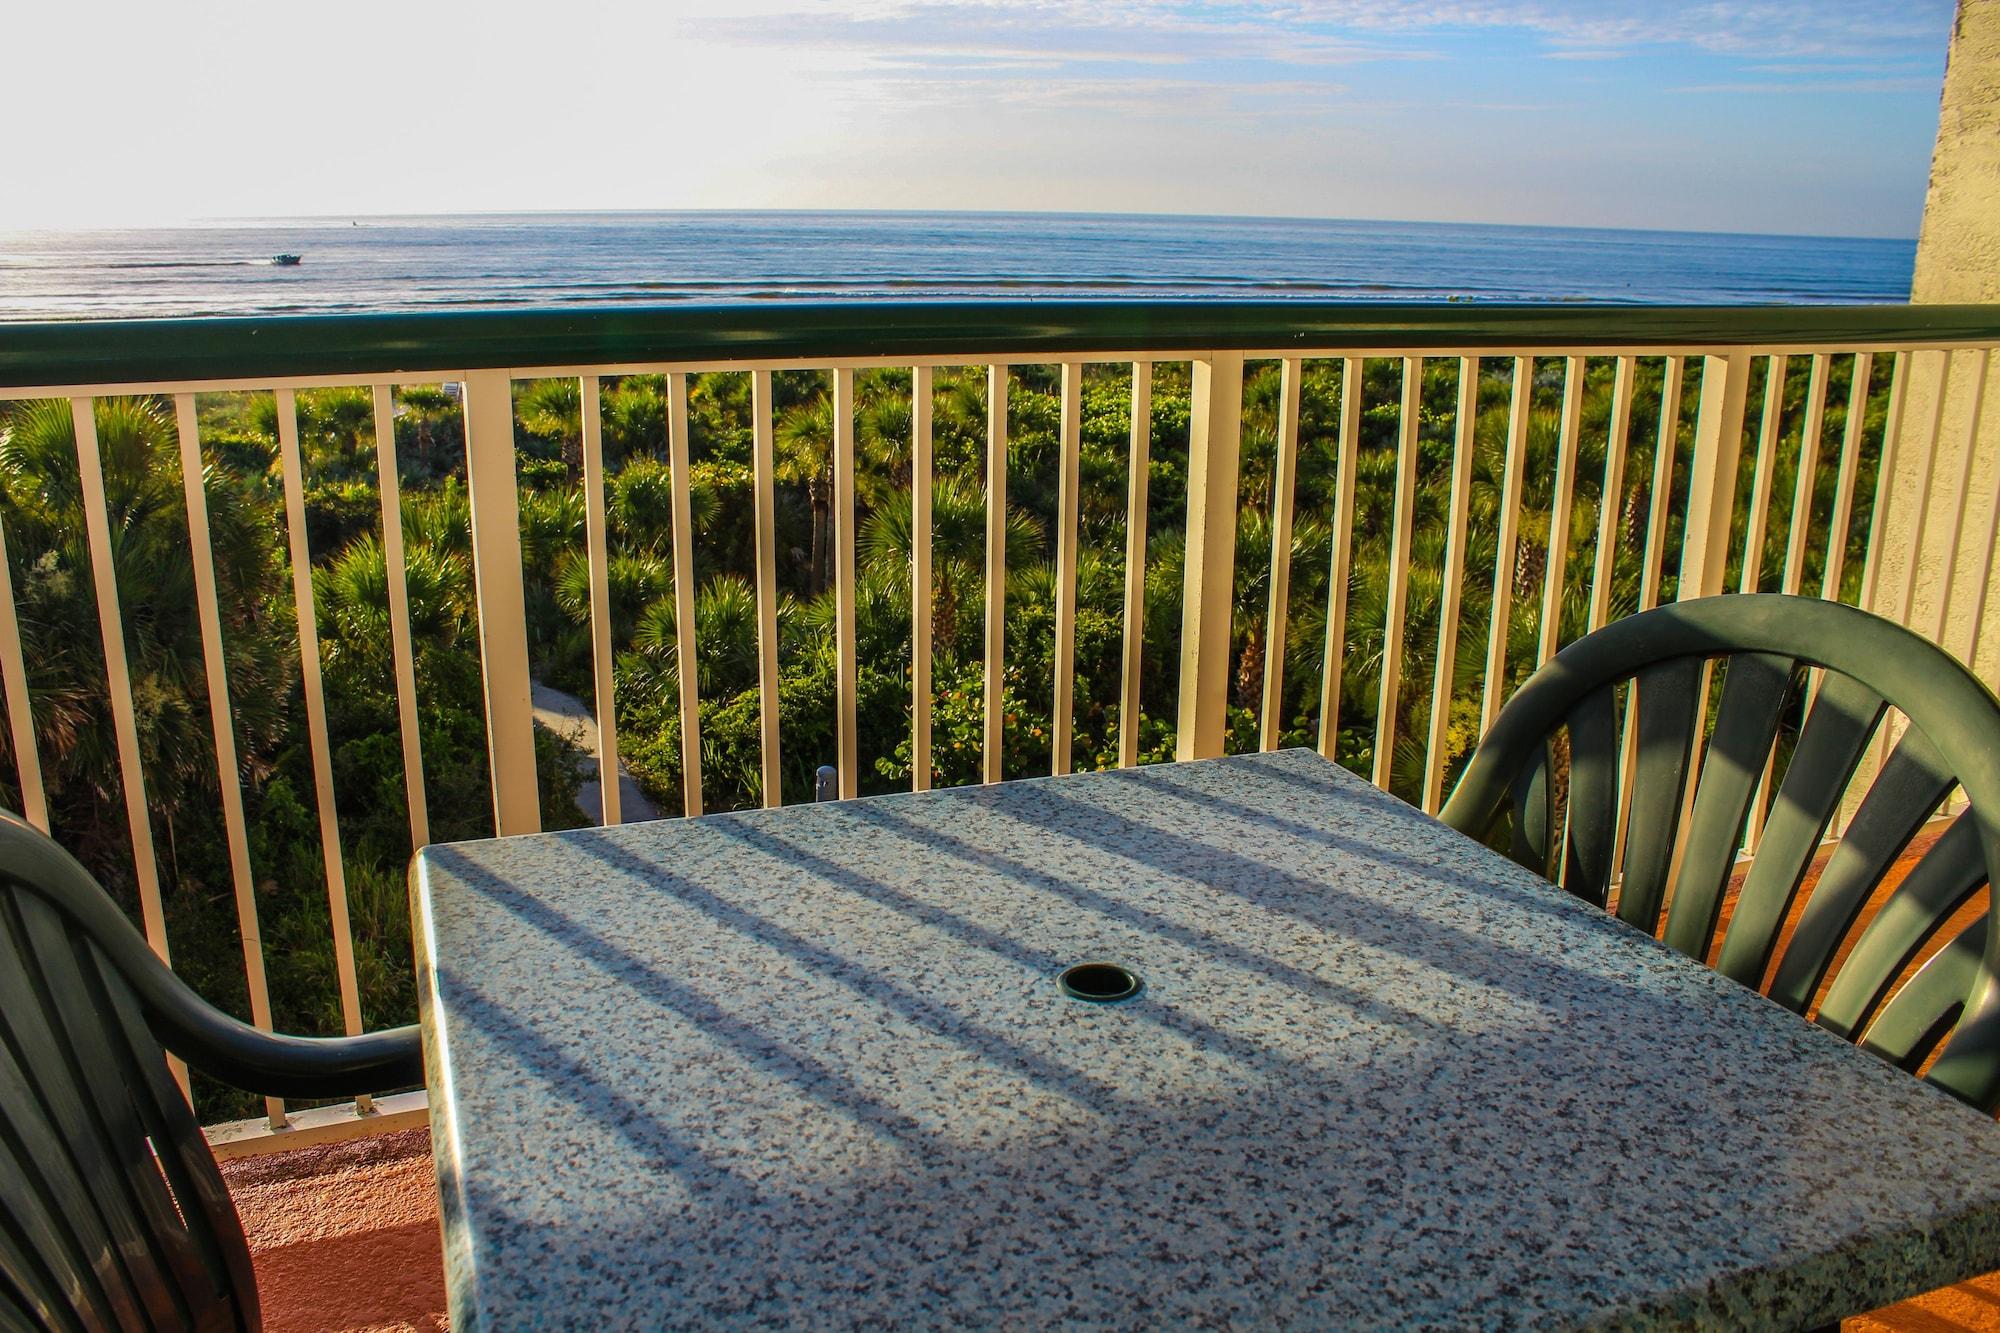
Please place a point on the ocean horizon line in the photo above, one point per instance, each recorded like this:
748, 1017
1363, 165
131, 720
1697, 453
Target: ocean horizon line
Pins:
265, 221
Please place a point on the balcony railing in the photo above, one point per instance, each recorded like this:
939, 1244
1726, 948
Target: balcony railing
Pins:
1509, 477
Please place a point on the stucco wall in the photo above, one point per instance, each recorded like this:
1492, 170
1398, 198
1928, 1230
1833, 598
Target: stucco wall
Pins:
1941, 494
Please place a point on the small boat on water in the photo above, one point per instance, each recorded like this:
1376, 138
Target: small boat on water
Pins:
286, 261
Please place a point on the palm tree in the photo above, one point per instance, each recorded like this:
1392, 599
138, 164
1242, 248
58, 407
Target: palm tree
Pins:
42, 510
804, 446
958, 550
553, 409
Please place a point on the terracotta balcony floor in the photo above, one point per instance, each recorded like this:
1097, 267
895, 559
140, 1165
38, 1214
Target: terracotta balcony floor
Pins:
345, 1236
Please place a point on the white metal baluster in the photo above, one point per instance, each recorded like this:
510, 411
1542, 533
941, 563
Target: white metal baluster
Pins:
503, 616
1506, 554
920, 578
764, 465
118, 673
996, 568
1611, 498
401, 649
1808, 476
1795, 559
222, 722
684, 646
1651, 574
846, 672
1926, 466
1968, 449
1554, 574
118, 685
1760, 485
598, 556
1454, 580
1208, 589
1850, 465
1871, 569
1718, 455
1398, 605
1718, 449
1887, 458
1666, 444
293, 467
20, 711
1135, 562
1284, 481
1981, 583
1343, 556
1069, 478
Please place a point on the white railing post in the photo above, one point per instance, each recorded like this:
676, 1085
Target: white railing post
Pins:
20, 712
677, 460
1718, 447
1062, 728
597, 555
503, 614
990, 763
118, 673
1214, 443
402, 649
222, 721
921, 610
1135, 562
1284, 482
846, 671
1343, 557
1390, 687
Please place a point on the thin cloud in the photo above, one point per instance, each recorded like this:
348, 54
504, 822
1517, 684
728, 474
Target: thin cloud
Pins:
1857, 28
1111, 33
1909, 85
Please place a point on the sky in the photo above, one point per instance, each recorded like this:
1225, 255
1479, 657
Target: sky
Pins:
1809, 117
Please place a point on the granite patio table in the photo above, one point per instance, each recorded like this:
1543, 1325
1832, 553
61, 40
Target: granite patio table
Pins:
813, 1066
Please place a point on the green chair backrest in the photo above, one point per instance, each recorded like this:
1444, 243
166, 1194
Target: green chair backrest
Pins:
113, 1214
1672, 878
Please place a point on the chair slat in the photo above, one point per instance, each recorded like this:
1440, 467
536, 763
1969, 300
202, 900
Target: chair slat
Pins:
1944, 880
1919, 1015
1593, 796
1844, 716
1870, 665
1746, 724
38, 1252
19, 1311
69, 1209
224, 1280
113, 1213
1669, 693
109, 1138
1534, 813
25, 1308
1905, 792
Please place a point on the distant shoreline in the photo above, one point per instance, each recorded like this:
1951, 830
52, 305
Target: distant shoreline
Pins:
500, 216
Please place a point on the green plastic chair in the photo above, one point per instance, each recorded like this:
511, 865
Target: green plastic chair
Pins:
113, 1214
1761, 645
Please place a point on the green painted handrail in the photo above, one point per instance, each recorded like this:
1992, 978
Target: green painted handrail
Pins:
176, 350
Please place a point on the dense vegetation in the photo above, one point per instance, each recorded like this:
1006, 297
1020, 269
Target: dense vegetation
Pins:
42, 515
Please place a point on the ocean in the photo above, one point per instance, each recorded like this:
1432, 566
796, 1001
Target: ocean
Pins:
557, 259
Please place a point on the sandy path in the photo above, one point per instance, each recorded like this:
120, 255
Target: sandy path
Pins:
567, 716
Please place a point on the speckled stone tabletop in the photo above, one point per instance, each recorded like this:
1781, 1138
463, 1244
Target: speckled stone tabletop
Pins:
812, 1067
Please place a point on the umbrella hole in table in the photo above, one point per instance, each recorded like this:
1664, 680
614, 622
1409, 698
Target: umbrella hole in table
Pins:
1099, 983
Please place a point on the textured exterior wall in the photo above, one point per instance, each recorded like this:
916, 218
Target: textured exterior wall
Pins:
1941, 495
1958, 255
